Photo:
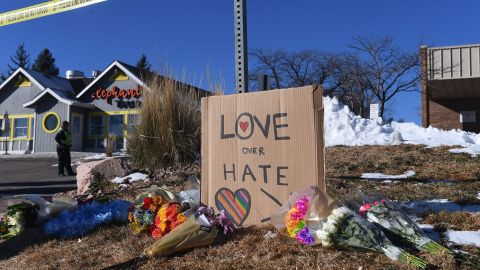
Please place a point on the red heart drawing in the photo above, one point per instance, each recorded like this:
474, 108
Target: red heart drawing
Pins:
244, 126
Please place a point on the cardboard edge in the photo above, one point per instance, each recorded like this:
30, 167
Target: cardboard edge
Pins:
204, 183
317, 97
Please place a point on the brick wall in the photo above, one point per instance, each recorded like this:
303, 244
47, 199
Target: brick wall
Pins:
423, 83
445, 113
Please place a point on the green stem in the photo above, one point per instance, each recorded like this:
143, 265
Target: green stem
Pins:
412, 260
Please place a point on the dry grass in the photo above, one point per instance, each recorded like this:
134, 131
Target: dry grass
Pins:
439, 174
428, 163
460, 221
118, 248
169, 130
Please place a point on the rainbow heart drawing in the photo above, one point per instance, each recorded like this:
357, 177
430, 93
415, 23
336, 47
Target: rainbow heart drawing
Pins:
236, 205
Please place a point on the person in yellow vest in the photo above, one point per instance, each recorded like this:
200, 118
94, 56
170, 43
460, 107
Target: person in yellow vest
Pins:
64, 143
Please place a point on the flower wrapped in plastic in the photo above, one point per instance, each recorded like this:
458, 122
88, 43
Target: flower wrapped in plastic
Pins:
200, 229
142, 216
388, 216
18, 217
312, 217
168, 217
87, 218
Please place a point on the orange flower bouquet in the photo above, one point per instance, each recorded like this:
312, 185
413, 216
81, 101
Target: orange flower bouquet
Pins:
168, 217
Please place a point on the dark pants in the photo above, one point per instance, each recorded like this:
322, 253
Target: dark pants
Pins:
64, 160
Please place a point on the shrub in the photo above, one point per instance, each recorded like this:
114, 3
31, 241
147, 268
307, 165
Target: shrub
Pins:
169, 129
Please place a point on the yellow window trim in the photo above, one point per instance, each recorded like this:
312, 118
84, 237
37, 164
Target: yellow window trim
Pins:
12, 127
119, 76
105, 121
44, 120
23, 82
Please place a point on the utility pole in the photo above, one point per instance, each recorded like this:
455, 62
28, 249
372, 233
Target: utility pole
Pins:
241, 49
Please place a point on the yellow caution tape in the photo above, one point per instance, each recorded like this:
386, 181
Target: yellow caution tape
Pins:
43, 9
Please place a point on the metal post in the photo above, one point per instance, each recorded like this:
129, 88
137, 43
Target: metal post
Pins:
263, 82
241, 52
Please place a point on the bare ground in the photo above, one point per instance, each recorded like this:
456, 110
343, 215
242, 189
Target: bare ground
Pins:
116, 247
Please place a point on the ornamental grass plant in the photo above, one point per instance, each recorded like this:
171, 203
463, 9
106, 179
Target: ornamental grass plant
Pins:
169, 126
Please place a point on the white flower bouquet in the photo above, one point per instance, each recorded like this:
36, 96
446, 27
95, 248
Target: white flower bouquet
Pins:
388, 216
312, 217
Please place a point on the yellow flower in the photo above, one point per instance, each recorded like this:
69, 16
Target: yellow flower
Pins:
162, 213
163, 226
181, 218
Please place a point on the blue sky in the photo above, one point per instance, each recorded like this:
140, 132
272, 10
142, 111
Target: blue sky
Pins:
196, 36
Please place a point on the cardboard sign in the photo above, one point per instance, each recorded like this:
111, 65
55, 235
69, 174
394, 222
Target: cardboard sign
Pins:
259, 147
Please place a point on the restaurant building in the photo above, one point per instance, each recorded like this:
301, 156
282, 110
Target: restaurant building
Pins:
33, 106
450, 87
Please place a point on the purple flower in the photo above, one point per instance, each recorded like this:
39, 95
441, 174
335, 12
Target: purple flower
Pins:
219, 221
305, 237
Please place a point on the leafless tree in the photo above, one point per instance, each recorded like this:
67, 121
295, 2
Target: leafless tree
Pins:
269, 62
389, 70
351, 85
292, 69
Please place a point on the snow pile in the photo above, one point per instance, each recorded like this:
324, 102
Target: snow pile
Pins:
95, 156
438, 205
463, 237
405, 175
134, 177
342, 127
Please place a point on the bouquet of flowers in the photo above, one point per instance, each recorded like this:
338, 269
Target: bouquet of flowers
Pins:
388, 216
312, 218
17, 218
142, 217
168, 217
156, 212
200, 229
87, 218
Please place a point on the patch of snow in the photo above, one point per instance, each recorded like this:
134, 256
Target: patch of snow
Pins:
405, 175
463, 237
95, 156
430, 231
71, 164
134, 177
473, 150
478, 195
343, 127
439, 205
15, 152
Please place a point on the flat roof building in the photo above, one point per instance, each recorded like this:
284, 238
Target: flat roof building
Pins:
451, 87
33, 105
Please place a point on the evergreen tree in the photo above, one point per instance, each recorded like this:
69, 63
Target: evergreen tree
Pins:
143, 65
45, 63
20, 59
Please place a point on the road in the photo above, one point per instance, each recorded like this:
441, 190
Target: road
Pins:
30, 176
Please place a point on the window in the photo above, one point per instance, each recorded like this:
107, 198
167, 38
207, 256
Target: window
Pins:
76, 125
51, 122
133, 122
115, 125
20, 127
97, 125
2, 128
468, 117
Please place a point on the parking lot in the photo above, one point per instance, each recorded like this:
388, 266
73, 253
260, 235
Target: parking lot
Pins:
35, 175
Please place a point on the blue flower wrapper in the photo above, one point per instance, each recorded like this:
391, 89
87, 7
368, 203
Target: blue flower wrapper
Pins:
87, 218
